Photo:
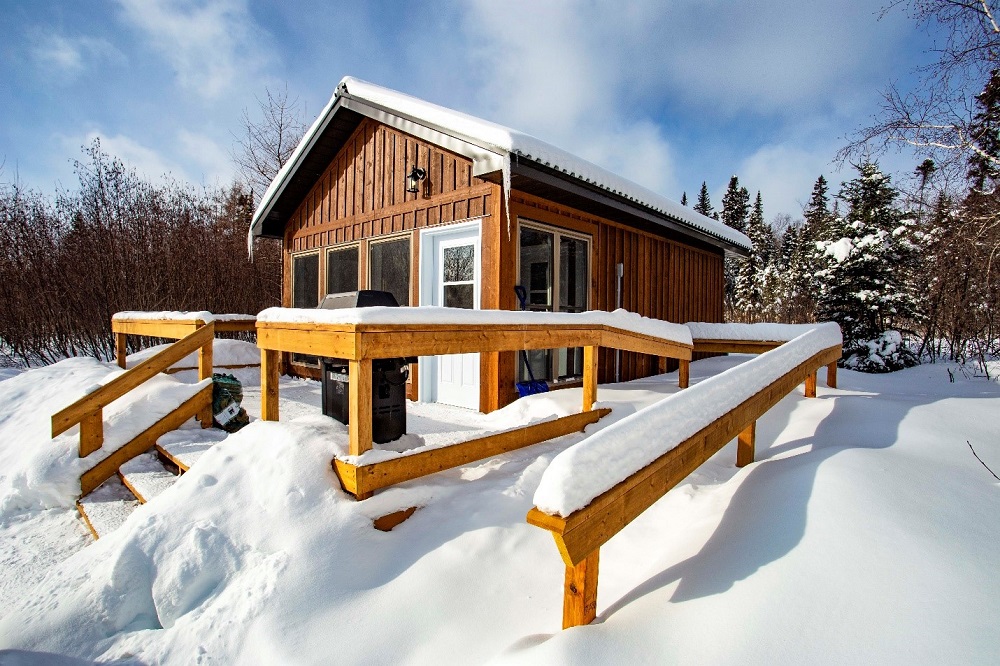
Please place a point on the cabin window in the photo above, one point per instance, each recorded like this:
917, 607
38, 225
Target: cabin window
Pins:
342, 269
305, 291
389, 267
554, 269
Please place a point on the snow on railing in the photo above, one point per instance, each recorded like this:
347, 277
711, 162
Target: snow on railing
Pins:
581, 473
765, 332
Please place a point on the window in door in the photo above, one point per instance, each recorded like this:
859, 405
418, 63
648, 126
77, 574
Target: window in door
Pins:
389, 267
554, 269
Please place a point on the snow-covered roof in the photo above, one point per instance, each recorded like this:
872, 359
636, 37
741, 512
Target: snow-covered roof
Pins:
492, 148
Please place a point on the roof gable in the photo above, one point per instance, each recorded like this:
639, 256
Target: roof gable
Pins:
492, 148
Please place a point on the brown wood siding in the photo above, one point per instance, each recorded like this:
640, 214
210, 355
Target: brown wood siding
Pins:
362, 193
663, 278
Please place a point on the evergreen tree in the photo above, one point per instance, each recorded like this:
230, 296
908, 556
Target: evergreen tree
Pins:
751, 273
684, 199
735, 208
735, 205
868, 286
704, 205
984, 163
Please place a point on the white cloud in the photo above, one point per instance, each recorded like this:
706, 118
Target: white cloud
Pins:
70, 56
784, 174
147, 161
213, 46
213, 161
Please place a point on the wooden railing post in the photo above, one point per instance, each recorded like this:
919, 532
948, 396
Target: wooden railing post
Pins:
580, 592
91, 432
831, 375
121, 349
745, 445
359, 418
270, 360
205, 356
589, 377
684, 374
811, 385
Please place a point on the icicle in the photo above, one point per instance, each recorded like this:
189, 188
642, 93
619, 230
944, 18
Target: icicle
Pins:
506, 189
250, 242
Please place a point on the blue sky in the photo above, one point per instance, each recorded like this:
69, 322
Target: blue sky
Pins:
667, 93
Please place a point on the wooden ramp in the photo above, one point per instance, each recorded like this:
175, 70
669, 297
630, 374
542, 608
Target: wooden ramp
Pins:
580, 534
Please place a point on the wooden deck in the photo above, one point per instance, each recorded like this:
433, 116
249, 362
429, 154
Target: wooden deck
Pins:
361, 343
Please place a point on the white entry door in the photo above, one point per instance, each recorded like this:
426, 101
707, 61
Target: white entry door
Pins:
449, 276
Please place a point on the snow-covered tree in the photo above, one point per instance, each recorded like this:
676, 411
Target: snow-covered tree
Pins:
868, 285
752, 272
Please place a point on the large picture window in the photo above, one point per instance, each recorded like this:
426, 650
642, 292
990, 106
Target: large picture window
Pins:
554, 269
305, 291
342, 269
389, 267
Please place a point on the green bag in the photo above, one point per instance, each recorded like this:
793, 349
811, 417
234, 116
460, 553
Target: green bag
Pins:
227, 394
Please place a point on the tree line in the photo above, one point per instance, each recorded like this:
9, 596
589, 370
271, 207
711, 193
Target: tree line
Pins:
120, 242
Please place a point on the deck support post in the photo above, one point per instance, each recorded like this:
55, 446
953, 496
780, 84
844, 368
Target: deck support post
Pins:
811, 384
684, 374
359, 418
589, 377
831, 375
580, 592
91, 432
121, 349
746, 444
205, 369
270, 361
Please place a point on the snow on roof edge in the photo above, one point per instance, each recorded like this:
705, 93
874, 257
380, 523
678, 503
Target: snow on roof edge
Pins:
504, 140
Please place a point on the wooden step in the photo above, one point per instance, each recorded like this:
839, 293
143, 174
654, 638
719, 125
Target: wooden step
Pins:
146, 476
107, 507
184, 447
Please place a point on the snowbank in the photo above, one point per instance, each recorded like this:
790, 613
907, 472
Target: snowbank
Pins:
42, 472
622, 319
756, 332
224, 352
580, 474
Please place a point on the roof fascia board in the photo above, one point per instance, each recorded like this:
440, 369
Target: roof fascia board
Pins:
485, 159
264, 210
572, 185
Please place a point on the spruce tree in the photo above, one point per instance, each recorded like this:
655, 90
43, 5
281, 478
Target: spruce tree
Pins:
735, 205
751, 272
704, 205
984, 163
868, 285
684, 199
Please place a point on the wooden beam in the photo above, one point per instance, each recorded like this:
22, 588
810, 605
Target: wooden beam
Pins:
387, 522
359, 417
735, 346
121, 349
174, 329
580, 592
270, 360
365, 479
91, 432
745, 445
142, 442
205, 355
684, 374
831, 375
583, 531
589, 377
810, 390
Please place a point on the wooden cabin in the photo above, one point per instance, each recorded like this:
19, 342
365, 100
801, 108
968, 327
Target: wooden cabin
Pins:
389, 192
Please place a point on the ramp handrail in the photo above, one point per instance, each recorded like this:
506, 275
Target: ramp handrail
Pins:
88, 410
580, 534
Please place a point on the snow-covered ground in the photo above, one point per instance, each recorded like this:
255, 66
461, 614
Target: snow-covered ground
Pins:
866, 532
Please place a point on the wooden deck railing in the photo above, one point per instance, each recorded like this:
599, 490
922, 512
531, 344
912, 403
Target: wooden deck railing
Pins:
361, 343
88, 411
580, 535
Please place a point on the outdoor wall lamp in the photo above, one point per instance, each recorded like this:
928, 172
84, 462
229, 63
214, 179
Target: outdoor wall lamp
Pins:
413, 180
